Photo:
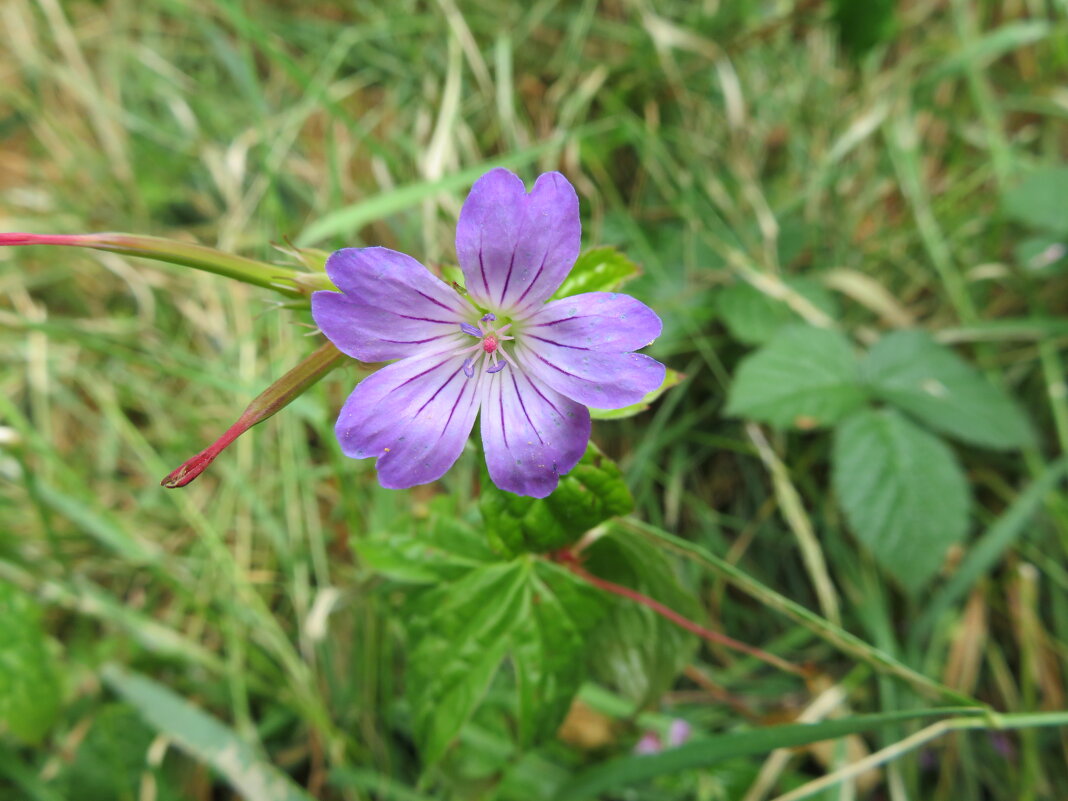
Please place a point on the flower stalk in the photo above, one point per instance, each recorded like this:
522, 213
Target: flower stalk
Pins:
273, 399
570, 560
284, 280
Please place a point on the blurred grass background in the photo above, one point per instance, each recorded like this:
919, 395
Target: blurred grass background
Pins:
710, 141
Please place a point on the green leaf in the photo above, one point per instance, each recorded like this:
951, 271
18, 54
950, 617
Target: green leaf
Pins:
754, 317
29, 678
634, 649
861, 26
903, 493
598, 270
591, 493
109, 763
461, 632
1040, 200
548, 648
804, 377
672, 378
203, 737
441, 547
930, 382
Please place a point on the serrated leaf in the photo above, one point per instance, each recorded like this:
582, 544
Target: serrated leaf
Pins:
672, 378
1040, 200
933, 384
461, 632
591, 493
549, 647
804, 377
203, 737
598, 270
29, 678
633, 648
754, 317
903, 493
440, 548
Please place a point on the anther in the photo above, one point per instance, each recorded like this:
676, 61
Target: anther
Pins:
467, 328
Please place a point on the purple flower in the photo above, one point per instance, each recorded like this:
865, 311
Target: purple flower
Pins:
532, 367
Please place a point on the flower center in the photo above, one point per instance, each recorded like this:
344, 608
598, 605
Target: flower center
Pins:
490, 342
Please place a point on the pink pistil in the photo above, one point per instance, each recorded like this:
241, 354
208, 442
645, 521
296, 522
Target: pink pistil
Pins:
490, 343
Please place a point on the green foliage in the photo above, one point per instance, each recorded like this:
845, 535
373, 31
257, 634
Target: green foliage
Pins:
29, 673
203, 737
635, 650
804, 377
911, 371
754, 317
598, 270
903, 493
110, 764
1040, 200
460, 633
591, 493
710, 142
863, 25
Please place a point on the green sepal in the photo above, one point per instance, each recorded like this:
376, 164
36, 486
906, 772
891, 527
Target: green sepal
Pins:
598, 270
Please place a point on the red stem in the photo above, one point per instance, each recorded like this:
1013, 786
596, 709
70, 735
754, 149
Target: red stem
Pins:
680, 620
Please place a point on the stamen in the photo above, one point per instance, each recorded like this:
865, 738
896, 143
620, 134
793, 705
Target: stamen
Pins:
496, 368
467, 328
489, 317
469, 368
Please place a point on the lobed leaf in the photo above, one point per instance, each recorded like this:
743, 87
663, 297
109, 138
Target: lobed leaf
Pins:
635, 649
594, 491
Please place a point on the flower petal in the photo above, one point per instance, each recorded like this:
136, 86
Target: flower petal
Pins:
372, 334
598, 379
415, 415
596, 320
515, 249
531, 434
390, 305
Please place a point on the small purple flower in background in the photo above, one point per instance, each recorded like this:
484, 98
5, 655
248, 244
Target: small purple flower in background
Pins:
531, 367
679, 732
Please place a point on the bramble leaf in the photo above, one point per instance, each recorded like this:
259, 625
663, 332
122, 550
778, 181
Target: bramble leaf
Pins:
804, 377
934, 385
903, 492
